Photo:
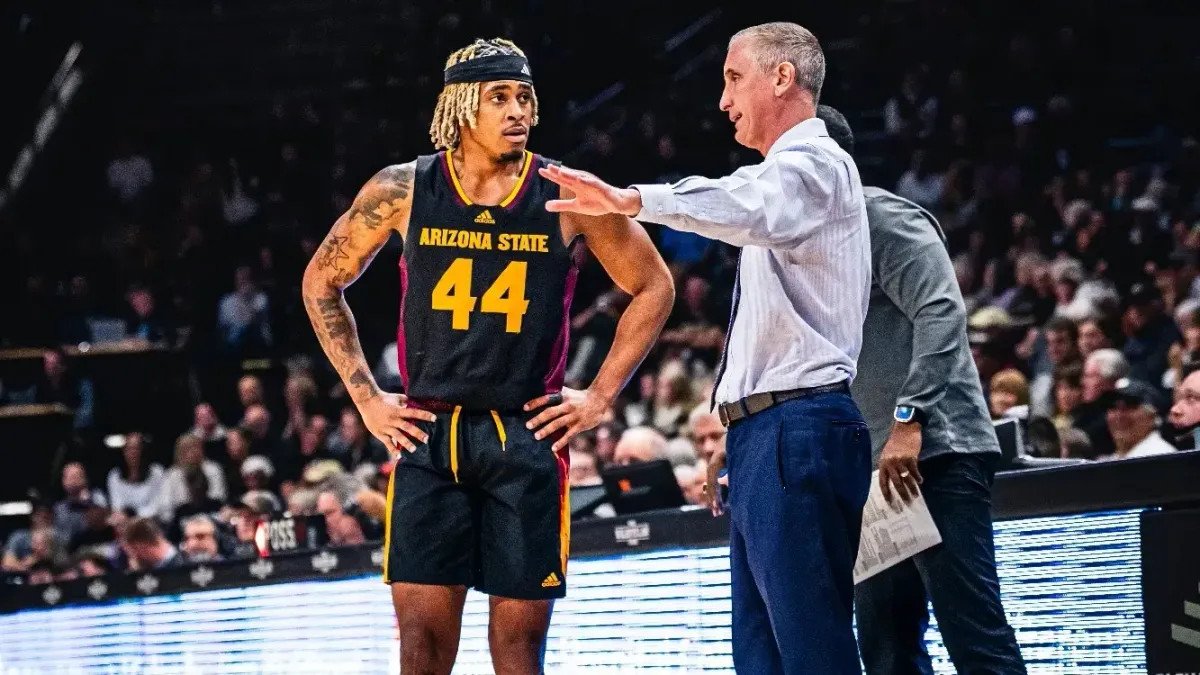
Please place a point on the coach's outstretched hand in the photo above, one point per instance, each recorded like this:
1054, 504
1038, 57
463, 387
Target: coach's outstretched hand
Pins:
573, 410
591, 196
388, 419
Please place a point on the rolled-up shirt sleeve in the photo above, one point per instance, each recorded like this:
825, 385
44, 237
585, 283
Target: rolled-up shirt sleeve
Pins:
775, 204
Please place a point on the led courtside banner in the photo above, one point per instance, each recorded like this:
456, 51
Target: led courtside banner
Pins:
1071, 587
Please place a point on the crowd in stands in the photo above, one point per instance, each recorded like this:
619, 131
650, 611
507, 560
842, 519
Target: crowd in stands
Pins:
1081, 279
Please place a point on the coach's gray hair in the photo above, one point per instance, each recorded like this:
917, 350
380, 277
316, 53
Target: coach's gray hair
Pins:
1112, 363
785, 42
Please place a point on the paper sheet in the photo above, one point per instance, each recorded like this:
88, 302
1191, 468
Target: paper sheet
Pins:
890, 533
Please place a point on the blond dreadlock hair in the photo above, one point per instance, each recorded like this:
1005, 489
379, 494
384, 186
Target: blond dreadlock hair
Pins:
458, 102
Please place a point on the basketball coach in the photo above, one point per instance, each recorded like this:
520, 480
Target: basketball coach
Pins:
920, 392
798, 449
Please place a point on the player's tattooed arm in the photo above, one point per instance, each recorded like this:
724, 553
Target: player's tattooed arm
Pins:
381, 207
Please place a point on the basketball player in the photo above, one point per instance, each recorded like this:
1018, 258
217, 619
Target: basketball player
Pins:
487, 274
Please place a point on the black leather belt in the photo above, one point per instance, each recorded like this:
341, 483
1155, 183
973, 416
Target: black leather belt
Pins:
756, 403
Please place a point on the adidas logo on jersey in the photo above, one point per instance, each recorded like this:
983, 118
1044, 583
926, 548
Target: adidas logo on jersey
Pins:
485, 218
551, 581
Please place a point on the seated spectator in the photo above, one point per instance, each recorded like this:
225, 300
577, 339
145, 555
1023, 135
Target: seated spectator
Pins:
681, 451
237, 449
189, 454
584, 469
91, 564
691, 479
302, 502
921, 185
263, 440
706, 431
1094, 334
38, 543
250, 392
343, 529
1068, 394
1133, 422
328, 475
144, 320
200, 540
129, 173
672, 401
243, 315
135, 485
1061, 339
1101, 371
1009, 395
99, 532
351, 444
209, 430
638, 445
1150, 333
58, 383
257, 472
608, 434
262, 504
300, 395
290, 467
198, 501
1184, 418
79, 496
146, 548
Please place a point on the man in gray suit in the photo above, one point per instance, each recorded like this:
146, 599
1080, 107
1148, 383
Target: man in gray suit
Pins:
920, 394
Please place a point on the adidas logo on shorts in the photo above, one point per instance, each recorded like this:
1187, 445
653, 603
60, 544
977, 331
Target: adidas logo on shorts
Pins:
551, 581
485, 218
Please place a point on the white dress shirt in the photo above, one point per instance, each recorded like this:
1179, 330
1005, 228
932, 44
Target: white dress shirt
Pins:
804, 276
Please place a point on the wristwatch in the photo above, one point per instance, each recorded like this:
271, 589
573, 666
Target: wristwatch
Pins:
906, 414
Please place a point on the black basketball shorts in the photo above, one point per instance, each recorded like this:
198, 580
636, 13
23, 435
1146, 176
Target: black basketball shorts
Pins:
484, 505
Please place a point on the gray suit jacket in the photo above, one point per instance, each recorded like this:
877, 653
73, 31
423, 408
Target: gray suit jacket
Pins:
915, 350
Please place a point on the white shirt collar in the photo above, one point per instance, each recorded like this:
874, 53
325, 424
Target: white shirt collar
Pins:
809, 128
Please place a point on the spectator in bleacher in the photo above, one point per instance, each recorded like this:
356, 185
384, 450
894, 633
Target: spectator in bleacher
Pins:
1133, 421
257, 473
1101, 372
691, 481
58, 383
198, 501
343, 529
91, 564
1094, 334
638, 445
669, 402
250, 392
706, 431
263, 438
146, 548
920, 184
40, 542
1068, 394
585, 469
69, 512
912, 114
144, 320
1061, 337
99, 532
302, 502
189, 455
237, 449
608, 434
208, 428
351, 444
1184, 417
1008, 395
692, 326
681, 451
200, 539
299, 395
134, 486
311, 447
129, 173
1150, 333
243, 315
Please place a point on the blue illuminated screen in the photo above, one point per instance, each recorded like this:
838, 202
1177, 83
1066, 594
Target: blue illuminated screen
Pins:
1071, 588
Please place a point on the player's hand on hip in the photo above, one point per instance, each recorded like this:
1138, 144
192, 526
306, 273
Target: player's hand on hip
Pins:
389, 419
712, 486
571, 410
592, 196
898, 466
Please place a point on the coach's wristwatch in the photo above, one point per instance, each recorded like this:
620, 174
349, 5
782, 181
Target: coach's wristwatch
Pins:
906, 414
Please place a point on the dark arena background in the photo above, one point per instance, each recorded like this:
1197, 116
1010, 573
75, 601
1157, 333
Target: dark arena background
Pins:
168, 168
